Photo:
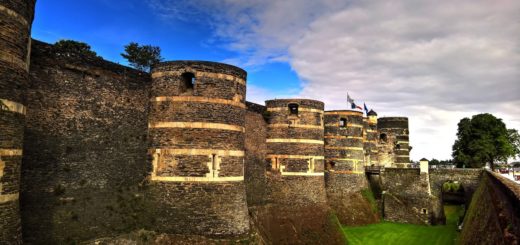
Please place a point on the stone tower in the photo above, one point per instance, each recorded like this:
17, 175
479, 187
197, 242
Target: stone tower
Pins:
345, 176
295, 175
196, 133
370, 138
295, 137
344, 142
394, 150
16, 17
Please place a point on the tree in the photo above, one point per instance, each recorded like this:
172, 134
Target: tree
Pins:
484, 139
434, 162
71, 48
142, 57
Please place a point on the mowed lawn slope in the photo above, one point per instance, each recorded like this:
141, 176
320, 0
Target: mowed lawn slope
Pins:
403, 234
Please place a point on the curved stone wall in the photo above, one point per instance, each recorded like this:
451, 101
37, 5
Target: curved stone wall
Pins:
295, 140
394, 145
370, 137
16, 18
344, 141
196, 139
345, 176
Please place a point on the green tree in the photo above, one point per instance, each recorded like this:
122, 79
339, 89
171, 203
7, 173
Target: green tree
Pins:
71, 48
484, 139
142, 57
514, 139
434, 162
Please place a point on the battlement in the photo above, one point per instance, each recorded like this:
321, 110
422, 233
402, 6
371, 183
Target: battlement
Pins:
392, 122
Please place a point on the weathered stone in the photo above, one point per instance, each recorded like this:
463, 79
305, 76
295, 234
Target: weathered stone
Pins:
16, 18
198, 152
394, 146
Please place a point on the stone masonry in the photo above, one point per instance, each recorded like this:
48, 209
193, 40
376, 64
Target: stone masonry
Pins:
196, 133
16, 18
109, 150
393, 147
345, 175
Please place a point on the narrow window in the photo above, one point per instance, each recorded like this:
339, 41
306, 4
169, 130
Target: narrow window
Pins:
382, 138
293, 109
398, 147
343, 122
214, 165
189, 80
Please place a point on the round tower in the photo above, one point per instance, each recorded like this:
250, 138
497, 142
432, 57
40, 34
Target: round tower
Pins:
370, 138
344, 156
295, 181
344, 141
16, 17
393, 141
196, 133
295, 137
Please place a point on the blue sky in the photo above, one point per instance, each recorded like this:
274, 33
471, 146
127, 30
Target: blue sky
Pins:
432, 61
108, 25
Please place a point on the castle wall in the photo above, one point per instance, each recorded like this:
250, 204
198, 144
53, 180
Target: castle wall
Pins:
16, 18
370, 137
393, 147
413, 197
494, 213
85, 149
256, 150
295, 141
406, 196
345, 176
196, 143
295, 210
468, 178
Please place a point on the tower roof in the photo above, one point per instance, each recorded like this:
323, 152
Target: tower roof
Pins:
371, 113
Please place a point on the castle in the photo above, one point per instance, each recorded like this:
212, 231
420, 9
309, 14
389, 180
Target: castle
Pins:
92, 149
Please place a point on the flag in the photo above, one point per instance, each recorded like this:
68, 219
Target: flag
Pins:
366, 108
350, 100
359, 107
353, 106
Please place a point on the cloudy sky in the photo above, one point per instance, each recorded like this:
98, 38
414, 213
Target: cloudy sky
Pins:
432, 61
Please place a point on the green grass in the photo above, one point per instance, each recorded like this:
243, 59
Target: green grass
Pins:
369, 196
402, 234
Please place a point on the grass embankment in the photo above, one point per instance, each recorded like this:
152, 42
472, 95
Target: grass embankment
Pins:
402, 234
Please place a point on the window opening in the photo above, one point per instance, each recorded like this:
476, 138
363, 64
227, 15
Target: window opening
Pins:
343, 122
189, 80
383, 138
293, 109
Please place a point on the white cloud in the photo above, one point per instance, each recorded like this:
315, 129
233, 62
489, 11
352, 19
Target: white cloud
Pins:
433, 61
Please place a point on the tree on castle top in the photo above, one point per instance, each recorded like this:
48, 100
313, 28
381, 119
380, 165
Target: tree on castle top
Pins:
484, 139
71, 48
142, 57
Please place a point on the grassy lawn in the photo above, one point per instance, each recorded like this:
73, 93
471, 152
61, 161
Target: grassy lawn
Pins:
402, 234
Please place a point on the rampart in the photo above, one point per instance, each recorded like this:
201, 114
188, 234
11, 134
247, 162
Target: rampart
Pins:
494, 213
411, 196
91, 151
85, 148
